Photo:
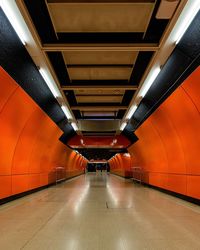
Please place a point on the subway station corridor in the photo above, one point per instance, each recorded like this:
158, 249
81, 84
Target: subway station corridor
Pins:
99, 212
93, 95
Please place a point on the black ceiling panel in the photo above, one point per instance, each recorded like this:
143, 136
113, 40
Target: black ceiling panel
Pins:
98, 117
127, 97
100, 37
155, 30
120, 114
77, 114
41, 19
71, 97
59, 67
98, 104
141, 64
100, 82
156, 26
99, 133
99, 153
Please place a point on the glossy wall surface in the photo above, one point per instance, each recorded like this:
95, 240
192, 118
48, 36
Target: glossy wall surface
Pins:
168, 149
121, 165
31, 153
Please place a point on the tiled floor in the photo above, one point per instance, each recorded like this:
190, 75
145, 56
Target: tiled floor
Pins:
99, 212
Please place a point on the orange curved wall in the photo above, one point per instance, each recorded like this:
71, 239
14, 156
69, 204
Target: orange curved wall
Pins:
30, 149
168, 149
121, 165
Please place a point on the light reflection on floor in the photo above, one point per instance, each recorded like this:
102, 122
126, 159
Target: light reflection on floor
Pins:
99, 212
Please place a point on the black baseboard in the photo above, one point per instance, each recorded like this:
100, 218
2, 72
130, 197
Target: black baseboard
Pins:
177, 195
20, 195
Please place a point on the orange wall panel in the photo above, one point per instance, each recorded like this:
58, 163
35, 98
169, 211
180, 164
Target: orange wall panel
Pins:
158, 179
20, 162
5, 190
193, 186
121, 165
6, 89
20, 183
169, 142
29, 144
34, 181
177, 183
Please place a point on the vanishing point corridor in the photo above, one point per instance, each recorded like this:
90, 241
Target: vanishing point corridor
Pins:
99, 125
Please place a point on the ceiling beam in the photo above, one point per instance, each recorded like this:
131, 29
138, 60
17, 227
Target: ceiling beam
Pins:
100, 1
101, 47
98, 108
99, 65
125, 87
103, 125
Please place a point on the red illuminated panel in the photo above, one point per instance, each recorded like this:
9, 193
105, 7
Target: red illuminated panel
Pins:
118, 141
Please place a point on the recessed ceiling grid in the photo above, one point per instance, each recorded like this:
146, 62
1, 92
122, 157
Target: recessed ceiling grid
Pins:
99, 51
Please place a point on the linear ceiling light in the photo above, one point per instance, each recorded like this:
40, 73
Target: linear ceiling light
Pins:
74, 126
11, 11
6, 6
131, 112
55, 91
188, 14
52, 86
149, 81
123, 125
66, 111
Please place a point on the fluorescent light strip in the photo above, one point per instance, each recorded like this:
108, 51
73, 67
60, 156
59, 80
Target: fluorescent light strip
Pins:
6, 6
12, 14
123, 125
55, 91
52, 86
74, 126
189, 13
66, 112
149, 81
131, 112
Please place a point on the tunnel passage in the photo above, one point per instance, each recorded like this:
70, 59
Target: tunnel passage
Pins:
116, 89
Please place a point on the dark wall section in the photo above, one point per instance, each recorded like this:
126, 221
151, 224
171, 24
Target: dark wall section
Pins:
128, 133
183, 60
16, 61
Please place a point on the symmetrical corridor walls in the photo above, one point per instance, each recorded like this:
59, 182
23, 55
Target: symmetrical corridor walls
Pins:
31, 153
168, 149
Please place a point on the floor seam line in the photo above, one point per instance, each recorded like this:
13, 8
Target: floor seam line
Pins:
42, 226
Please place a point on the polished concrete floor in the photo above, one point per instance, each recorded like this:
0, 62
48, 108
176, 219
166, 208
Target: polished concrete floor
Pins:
99, 212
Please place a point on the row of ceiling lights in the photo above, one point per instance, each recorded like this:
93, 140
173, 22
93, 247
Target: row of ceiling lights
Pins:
56, 92
189, 12
9, 10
